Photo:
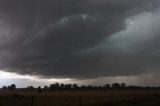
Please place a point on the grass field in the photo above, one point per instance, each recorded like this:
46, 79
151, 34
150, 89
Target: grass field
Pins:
80, 98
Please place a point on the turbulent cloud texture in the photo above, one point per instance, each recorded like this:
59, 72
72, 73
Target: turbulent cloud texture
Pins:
79, 38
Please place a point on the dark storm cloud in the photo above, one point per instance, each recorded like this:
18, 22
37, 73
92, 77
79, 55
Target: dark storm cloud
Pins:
54, 37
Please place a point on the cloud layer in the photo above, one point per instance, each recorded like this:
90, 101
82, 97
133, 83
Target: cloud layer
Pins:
79, 38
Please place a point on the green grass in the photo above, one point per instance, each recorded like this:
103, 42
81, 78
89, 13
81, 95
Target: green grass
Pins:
88, 98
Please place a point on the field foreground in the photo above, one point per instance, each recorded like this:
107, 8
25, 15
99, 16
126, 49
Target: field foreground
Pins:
80, 98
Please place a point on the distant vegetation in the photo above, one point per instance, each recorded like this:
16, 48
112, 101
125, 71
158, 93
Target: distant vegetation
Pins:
58, 86
73, 95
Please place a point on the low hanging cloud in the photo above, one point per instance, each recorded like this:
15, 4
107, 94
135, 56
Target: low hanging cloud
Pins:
133, 50
79, 39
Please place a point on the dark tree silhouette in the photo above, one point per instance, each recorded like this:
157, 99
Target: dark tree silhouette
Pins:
75, 86
116, 85
52, 87
39, 89
107, 86
12, 87
123, 85
68, 86
62, 86
30, 88
57, 85
46, 87
4, 88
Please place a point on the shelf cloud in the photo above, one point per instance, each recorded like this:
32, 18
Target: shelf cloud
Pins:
80, 38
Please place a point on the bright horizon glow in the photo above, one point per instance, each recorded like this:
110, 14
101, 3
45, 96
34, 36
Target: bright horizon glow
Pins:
22, 81
7, 78
10, 75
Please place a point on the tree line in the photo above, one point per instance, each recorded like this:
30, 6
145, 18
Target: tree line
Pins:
58, 86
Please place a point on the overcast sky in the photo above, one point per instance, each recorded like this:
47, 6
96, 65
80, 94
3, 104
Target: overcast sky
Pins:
80, 40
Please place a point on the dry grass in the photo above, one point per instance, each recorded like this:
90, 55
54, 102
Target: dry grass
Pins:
80, 98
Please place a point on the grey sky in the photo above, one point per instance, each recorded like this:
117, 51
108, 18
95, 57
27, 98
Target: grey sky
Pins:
81, 39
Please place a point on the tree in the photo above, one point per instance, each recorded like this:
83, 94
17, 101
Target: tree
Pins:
4, 88
107, 86
39, 89
75, 86
116, 85
46, 87
57, 85
52, 87
62, 86
123, 85
12, 87
68, 86
30, 88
